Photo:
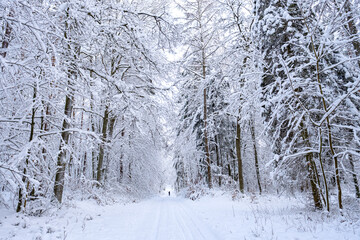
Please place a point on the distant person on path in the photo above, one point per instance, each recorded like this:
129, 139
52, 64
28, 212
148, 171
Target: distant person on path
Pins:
169, 193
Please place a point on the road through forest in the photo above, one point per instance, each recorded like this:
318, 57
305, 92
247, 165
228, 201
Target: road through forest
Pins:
215, 216
158, 218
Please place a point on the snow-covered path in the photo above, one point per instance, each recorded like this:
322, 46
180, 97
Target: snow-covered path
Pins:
158, 218
214, 216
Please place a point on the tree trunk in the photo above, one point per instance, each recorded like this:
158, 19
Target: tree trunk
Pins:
93, 153
6, 39
111, 127
351, 27
323, 171
218, 160
252, 130
22, 199
229, 170
206, 140
84, 162
312, 178
61, 160
228, 166
111, 131
328, 125
337, 175
44, 124
100, 169
356, 183
311, 170
121, 176
121, 171
238, 155
69, 102
129, 174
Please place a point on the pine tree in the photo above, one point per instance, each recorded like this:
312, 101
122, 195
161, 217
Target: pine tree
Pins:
278, 31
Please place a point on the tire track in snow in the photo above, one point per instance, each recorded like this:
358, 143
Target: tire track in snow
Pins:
205, 231
179, 225
165, 218
177, 222
151, 219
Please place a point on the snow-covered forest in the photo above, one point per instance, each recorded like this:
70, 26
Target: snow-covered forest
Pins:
112, 101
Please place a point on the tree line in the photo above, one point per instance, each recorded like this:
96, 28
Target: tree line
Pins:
270, 97
79, 102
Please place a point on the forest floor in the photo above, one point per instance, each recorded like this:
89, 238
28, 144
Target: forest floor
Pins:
215, 216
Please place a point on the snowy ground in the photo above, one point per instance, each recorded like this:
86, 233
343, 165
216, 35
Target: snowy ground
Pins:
166, 218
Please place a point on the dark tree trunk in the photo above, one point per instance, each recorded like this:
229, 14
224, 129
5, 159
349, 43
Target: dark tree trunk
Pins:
238, 155
61, 160
313, 182
311, 170
206, 142
100, 169
22, 199
355, 180
69, 102
252, 130
93, 152
121, 170
229, 171
6, 39
323, 171
218, 160
129, 175
111, 131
